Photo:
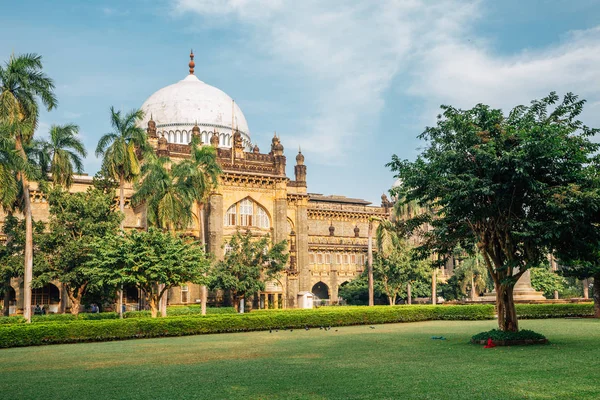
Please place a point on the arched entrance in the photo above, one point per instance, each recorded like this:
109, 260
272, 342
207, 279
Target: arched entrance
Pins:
11, 296
321, 291
48, 296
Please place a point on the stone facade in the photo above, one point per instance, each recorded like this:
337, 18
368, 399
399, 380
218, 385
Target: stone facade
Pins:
327, 235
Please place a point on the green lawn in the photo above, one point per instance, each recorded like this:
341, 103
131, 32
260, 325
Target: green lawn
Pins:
389, 362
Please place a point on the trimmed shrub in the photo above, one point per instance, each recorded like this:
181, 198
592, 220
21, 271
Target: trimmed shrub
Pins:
85, 331
12, 320
562, 310
497, 335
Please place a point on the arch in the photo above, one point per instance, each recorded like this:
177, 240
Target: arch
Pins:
45, 295
171, 137
290, 224
247, 212
320, 290
178, 136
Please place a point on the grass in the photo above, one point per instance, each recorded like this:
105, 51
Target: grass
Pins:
388, 362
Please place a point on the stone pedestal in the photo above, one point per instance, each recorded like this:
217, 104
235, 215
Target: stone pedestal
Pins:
522, 292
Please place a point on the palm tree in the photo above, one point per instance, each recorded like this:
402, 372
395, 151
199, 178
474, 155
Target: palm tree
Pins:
61, 155
22, 83
168, 196
9, 159
202, 176
119, 150
472, 274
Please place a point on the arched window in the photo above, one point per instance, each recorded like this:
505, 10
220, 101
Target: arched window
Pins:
262, 219
246, 212
230, 217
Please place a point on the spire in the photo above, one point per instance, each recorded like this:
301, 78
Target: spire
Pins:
192, 64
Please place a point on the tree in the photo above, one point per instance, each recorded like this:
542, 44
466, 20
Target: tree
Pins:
153, 261
61, 154
501, 183
119, 149
547, 281
249, 262
77, 220
166, 191
472, 275
22, 83
202, 175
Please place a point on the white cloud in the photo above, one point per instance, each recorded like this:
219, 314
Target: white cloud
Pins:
349, 56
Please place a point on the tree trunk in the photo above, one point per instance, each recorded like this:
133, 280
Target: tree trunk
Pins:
434, 287
370, 262
203, 288
507, 312
162, 302
473, 287
122, 209
75, 305
390, 300
28, 273
586, 288
153, 308
596, 291
121, 302
408, 293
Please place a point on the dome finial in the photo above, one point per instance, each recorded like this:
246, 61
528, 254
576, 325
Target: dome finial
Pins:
192, 64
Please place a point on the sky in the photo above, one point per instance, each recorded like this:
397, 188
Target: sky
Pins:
351, 82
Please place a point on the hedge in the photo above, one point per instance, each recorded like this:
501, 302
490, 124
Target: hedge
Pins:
16, 335
561, 310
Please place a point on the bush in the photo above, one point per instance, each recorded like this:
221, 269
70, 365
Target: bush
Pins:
86, 331
12, 320
538, 311
498, 335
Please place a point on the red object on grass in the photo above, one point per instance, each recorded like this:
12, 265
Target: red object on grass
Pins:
489, 344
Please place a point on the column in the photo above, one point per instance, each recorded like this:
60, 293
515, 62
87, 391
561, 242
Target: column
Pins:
302, 245
215, 225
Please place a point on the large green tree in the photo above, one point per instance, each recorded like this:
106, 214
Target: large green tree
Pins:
22, 84
76, 221
62, 154
249, 262
154, 261
502, 183
120, 149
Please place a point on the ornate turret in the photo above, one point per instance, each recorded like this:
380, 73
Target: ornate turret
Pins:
276, 146
192, 64
214, 139
163, 147
238, 144
151, 130
300, 168
196, 132
256, 150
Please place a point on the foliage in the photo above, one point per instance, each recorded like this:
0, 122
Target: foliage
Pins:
496, 334
356, 291
153, 261
536, 311
502, 183
249, 262
451, 289
16, 335
545, 280
76, 221
62, 154
166, 192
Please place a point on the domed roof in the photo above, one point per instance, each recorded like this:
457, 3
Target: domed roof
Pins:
192, 101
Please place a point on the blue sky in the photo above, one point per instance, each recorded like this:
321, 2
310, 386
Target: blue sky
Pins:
352, 82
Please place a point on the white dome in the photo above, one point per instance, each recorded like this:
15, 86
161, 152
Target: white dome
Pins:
178, 107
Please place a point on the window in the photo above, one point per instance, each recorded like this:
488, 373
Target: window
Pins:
353, 259
319, 258
311, 258
184, 294
227, 248
246, 212
327, 258
262, 219
345, 258
230, 217
338, 258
